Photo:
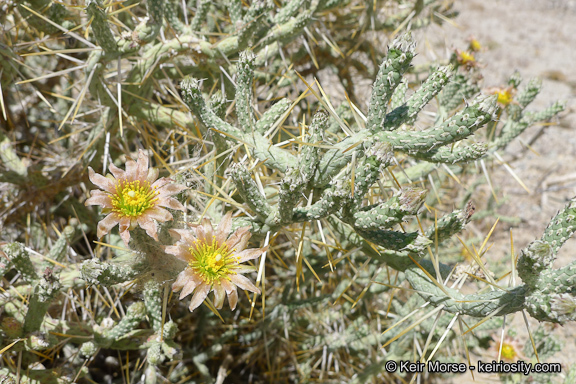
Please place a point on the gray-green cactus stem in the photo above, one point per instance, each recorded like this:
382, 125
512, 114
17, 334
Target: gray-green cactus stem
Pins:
260, 147
389, 76
248, 190
428, 90
244, 78
95, 271
272, 115
450, 224
455, 128
448, 155
44, 291
100, 27
497, 302
384, 216
136, 313
20, 259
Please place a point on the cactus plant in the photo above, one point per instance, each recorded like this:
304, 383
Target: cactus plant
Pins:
322, 209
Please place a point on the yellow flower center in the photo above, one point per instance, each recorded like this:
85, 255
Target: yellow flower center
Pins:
133, 198
475, 45
212, 262
467, 57
508, 352
504, 97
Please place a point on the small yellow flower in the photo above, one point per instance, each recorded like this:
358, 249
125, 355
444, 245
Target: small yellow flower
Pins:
510, 351
474, 45
133, 197
213, 262
505, 96
466, 59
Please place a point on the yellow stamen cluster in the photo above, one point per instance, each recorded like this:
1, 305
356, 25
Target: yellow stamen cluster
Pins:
475, 45
508, 352
504, 96
466, 57
211, 262
133, 198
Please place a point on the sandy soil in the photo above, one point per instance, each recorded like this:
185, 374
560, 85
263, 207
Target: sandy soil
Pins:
537, 38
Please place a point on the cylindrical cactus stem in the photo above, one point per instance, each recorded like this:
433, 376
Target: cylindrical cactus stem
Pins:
407, 112
450, 224
561, 227
448, 155
100, 27
289, 10
147, 31
497, 302
535, 258
552, 298
405, 202
253, 22
513, 128
456, 128
458, 89
389, 75
396, 241
529, 93
60, 247
376, 157
171, 15
202, 8
297, 178
235, 11
46, 289
244, 78
95, 271
272, 115
249, 191
398, 98
153, 301
261, 148
135, 314
20, 259
53, 11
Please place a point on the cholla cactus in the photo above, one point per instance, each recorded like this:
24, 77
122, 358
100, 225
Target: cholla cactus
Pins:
337, 190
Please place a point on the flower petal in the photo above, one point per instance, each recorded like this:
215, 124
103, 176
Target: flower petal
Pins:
208, 229
185, 234
170, 202
250, 254
239, 239
131, 170
117, 172
224, 229
180, 251
125, 236
219, 295
181, 280
146, 222
158, 214
233, 299
101, 181
244, 283
142, 166
152, 175
170, 189
199, 296
99, 197
189, 287
106, 224
160, 183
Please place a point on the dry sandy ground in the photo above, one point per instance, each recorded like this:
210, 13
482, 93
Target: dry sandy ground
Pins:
537, 38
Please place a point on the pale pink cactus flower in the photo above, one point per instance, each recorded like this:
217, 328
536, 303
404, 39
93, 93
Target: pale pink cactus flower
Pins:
214, 260
133, 197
